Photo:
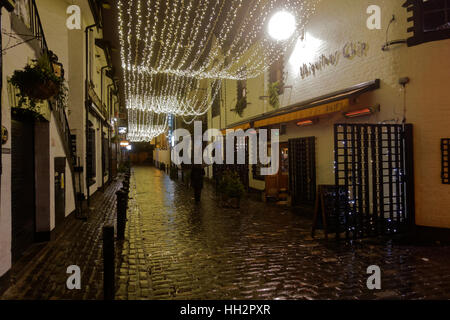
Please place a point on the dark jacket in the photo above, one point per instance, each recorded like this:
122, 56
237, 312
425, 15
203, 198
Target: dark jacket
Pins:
197, 174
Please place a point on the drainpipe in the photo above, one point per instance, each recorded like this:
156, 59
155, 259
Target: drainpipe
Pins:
117, 143
103, 145
86, 103
108, 90
101, 85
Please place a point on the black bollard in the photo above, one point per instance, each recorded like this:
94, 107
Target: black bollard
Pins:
108, 263
122, 204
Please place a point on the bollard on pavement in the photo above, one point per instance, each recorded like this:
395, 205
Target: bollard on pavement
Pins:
108, 263
122, 203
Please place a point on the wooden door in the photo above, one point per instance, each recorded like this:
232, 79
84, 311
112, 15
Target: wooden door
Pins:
22, 186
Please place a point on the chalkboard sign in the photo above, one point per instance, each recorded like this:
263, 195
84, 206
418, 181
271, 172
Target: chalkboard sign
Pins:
329, 213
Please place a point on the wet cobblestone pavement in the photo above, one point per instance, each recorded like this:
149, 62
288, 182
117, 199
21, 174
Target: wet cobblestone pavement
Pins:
175, 249
41, 273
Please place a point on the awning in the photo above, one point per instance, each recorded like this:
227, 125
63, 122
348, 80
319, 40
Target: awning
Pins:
327, 104
244, 127
312, 112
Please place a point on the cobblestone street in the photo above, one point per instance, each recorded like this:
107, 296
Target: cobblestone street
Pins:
175, 249
178, 250
41, 272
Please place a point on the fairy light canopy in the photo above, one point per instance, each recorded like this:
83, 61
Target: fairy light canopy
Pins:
175, 53
205, 38
144, 126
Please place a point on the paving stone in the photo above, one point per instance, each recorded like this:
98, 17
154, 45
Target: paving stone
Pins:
41, 272
262, 252
175, 249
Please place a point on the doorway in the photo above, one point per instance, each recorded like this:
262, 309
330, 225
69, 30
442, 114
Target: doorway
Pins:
302, 170
277, 185
22, 186
60, 190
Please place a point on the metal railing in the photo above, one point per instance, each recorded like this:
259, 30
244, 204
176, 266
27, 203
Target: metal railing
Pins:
36, 26
58, 110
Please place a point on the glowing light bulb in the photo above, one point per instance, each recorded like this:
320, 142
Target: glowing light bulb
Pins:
282, 25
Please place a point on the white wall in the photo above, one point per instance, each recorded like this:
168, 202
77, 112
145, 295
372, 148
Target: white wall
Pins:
57, 150
335, 23
427, 96
15, 58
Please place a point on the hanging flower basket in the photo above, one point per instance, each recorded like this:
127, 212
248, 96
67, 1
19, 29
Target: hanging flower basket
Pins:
42, 90
37, 82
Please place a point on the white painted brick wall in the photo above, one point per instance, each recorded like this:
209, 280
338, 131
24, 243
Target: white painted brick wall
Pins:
428, 95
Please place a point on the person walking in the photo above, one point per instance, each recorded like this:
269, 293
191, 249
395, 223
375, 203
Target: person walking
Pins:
197, 174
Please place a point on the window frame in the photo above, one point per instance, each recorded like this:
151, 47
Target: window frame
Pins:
276, 74
216, 103
419, 34
92, 156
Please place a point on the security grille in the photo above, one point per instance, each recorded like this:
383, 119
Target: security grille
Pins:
445, 147
370, 166
302, 170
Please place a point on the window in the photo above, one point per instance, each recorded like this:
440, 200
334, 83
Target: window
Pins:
277, 74
431, 20
91, 168
445, 148
241, 89
105, 155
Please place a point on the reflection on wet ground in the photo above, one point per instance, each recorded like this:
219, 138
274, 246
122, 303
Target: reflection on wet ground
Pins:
176, 249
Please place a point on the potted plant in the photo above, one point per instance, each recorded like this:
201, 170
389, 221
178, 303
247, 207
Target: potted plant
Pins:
274, 91
38, 82
240, 106
231, 189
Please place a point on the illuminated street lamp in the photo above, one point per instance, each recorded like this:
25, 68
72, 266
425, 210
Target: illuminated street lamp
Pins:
282, 25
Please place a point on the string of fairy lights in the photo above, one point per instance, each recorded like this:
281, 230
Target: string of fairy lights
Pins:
176, 53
